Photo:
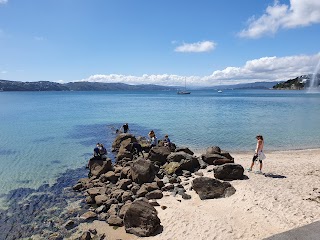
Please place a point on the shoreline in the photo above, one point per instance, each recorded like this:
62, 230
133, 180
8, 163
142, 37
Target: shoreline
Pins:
282, 163
286, 197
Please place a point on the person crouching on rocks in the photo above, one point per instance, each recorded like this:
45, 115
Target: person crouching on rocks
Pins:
99, 153
166, 141
136, 148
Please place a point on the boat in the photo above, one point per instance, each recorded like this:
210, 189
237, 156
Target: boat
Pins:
185, 88
220, 91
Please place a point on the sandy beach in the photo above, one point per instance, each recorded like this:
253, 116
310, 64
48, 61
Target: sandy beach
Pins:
285, 197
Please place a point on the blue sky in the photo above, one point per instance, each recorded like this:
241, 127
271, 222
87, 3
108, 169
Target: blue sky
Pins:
158, 42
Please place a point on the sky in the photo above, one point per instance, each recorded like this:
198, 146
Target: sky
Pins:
167, 42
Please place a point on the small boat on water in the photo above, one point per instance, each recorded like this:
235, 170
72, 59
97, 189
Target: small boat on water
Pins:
185, 88
183, 92
220, 91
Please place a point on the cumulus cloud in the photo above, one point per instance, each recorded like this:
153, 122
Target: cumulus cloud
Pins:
204, 46
268, 69
3, 1
256, 70
281, 16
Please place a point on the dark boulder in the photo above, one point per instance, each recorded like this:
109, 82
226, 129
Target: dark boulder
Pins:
141, 219
98, 167
215, 159
142, 171
229, 171
208, 188
121, 137
159, 154
184, 149
213, 150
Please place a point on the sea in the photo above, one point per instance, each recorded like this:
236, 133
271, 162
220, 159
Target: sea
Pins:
43, 135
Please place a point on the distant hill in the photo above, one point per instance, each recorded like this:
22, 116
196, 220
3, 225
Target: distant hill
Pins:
255, 85
6, 85
31, 86
297, 83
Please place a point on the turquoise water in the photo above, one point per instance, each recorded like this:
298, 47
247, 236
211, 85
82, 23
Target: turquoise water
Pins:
45, 133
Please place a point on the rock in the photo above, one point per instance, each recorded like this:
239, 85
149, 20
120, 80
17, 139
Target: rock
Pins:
98, 167
189, 164
142, 171
125, 172
101, 199
215, 159
178, 156
141, 219
208, 188
77, 187
101, 209
115, 221
111, 176
229, 171
171, 168
113, 211
156, 194
117, 194
151, 186
96, 191
186, 196
69, 224
168, 187
227, 155
85, 236
142, 191
121, 137
126, 196
159, 154
184, 149
124, 209
88, 215
213, 150
124, 183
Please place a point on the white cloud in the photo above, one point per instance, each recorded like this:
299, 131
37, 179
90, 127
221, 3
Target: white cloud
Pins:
3, 1
256, 70
268, 69
298, 14
3, 72
205, 46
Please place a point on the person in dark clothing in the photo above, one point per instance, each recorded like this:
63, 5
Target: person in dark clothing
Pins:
136, 148
125, 128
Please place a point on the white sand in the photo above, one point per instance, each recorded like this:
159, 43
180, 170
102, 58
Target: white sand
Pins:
261, 207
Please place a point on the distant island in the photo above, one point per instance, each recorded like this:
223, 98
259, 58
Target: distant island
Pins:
297, 83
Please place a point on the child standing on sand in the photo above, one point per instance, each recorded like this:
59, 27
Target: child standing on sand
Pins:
258, 153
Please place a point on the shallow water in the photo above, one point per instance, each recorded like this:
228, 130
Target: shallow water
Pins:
45, 133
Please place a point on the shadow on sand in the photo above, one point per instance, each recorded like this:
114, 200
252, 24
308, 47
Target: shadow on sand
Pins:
272, 175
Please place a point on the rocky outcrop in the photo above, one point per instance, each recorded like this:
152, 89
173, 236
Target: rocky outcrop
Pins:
124, 193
